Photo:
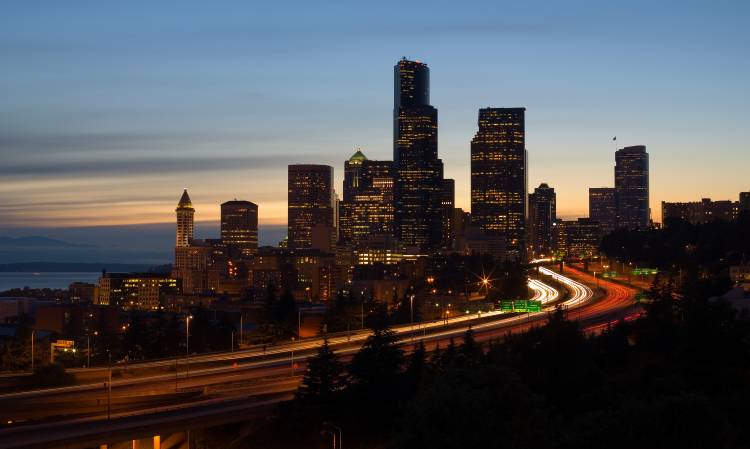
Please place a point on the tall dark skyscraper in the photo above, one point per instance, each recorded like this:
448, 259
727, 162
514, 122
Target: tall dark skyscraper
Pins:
744, 201
239, 227
631, 187
498, 178
419, 172
542, 216
448, 203
310, 203
367, 208
603, 208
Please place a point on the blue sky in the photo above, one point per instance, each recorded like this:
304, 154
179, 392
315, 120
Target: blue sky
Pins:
110, 108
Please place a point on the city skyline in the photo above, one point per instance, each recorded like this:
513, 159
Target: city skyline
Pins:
107, 161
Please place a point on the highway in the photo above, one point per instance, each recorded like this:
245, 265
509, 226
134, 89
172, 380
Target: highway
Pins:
250, 373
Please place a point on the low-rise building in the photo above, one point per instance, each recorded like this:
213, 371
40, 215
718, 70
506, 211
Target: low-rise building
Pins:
135, 291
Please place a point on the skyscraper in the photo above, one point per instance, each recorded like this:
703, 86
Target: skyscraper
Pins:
419, 172
603, 208
498, 178
631, 187
542, 216
744, 201
448, 203
185, 213
239, 227
367, 208
310, 203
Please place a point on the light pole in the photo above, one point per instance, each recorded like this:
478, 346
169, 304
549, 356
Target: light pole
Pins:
187, 345
292, 356
240, 330
411, 309
32, 351
109, 385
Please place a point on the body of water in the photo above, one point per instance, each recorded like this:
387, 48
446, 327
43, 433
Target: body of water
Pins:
44, 280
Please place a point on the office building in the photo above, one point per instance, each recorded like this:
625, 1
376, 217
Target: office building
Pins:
448, 204
135, 291
498, 178
419, 173
367, 206
744, 201
632, 187
239, 227
541, 220
699, 212
603, 208
577, 239
311, 203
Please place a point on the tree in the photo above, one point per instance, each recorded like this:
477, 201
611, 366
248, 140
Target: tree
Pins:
470, 350
377, 365
323, 378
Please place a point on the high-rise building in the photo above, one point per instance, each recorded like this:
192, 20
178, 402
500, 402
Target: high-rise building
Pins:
744, 201
631, 187
310, 203
448, 203
185, 213
419, 173
367, 208
239, 227
498, 178
603, 208
541, 220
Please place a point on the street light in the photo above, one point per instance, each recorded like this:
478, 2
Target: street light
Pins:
187, 345
292, 356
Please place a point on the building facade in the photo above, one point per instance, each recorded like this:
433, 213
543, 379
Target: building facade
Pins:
185, 215
603, 208
135, 291
541, 220
498, 178
418, 170
367, 206
311, 204
448, 204
632, 187
577, 239
699, 212
239, 227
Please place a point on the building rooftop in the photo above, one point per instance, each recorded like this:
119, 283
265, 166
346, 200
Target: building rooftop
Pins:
185, 202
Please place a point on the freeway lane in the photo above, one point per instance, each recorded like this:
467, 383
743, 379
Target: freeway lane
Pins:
266, 376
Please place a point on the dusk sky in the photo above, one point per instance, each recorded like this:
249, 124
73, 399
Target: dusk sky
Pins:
109, 109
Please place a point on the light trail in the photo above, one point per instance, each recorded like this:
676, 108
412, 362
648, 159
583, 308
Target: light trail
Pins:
581, 293
543, 292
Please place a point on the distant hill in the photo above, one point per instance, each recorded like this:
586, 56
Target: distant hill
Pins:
72, 267
36, 242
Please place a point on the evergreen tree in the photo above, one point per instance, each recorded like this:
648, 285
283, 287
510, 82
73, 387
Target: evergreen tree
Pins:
323, 378
378, 364
470, 350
